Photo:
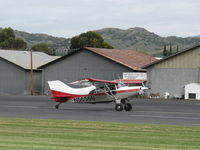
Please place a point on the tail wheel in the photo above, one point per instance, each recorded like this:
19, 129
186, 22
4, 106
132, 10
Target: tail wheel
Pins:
128, 107
57, 106
118, 107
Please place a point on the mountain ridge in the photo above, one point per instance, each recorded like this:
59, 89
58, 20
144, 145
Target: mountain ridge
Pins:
141, 39
136, 38
35, 38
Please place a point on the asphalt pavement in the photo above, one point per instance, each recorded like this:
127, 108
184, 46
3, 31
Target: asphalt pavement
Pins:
170, 112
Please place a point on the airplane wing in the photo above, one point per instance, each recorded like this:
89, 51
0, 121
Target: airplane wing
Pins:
115, 81
128, 81
101, 81
92, 81
82, 82
125, 81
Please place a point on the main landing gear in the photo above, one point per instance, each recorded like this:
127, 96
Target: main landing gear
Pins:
123, 105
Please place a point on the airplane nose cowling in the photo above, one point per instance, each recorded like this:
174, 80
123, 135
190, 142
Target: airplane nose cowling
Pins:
144, 88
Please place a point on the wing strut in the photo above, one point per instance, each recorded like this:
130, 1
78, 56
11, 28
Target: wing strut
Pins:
110, 93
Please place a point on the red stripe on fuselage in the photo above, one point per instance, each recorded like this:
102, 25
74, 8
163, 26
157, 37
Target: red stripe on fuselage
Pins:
63, 97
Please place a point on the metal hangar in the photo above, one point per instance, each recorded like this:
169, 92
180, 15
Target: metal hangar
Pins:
93, 63
15, 71
172, 74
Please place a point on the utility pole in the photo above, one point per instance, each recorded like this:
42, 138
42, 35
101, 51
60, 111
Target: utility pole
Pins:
31, 73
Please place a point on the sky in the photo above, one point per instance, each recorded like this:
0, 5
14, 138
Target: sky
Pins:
68, 18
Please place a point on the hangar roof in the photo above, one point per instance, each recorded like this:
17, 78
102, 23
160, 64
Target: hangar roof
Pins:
22, 58
129, 58
132, 59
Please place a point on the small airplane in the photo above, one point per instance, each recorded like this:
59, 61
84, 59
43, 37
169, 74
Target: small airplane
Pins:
97, 91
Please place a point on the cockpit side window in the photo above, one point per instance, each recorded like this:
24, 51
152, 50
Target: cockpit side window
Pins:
121, 84
136, 84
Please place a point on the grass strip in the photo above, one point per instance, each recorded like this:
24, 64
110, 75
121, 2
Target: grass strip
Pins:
42, 134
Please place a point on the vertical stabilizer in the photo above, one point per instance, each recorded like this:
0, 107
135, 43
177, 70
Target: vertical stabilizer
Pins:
58, 86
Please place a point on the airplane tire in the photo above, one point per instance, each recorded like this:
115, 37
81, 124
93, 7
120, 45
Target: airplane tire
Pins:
128, 107
118, 107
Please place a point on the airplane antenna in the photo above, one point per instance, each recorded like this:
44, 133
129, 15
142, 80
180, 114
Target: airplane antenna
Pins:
113, 76
119, 78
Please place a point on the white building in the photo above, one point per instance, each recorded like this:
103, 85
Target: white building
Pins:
192, 91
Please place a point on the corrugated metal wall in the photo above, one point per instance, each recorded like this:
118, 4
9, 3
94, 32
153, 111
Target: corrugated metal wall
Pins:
15, 80
82, 64
188, 59
170, 80
174, 73
37, 82
12, 78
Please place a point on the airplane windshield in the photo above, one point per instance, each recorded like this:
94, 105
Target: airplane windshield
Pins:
136, 84
121, 85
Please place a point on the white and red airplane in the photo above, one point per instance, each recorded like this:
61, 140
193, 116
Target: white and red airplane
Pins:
97, 91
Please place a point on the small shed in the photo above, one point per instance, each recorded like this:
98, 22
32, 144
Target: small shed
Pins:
192, 91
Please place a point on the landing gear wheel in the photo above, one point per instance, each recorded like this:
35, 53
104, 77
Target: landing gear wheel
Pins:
128, 107
118, 107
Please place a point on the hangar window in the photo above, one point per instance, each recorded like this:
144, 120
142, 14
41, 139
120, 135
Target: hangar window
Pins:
192, 96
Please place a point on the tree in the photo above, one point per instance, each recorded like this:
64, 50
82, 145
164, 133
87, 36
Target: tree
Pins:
53, 52
170, 49
42, 47
9, 41
107, 45
13, 43
6, 33
165, 53
177, 49
89, 39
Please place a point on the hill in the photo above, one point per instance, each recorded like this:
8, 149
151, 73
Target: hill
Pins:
52, 41
141, 39
132, 39
34, 38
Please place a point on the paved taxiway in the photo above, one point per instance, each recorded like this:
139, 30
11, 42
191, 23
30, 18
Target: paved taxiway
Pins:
174, 112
